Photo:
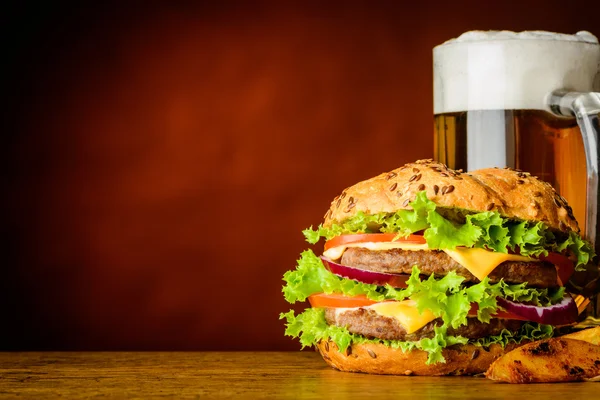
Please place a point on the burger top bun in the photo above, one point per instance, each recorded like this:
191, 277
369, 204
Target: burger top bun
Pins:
528, 198
512, 193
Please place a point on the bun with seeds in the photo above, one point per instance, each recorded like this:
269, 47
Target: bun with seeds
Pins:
514, 194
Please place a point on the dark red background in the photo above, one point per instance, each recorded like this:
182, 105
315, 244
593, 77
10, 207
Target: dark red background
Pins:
160, 161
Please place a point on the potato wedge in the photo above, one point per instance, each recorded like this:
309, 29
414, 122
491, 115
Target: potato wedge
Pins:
550, 360
591, 335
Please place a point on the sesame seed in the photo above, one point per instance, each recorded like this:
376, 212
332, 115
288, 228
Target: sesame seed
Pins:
436, 189
421, 187
394, 186
556, 202
412, 178
490, 206
391, 175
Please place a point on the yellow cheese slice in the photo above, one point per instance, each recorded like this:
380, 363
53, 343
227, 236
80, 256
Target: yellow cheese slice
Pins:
405, 312
481, 262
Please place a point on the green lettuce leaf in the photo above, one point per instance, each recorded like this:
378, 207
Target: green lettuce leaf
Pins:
358, 223
494, 234
522, 294
445, 234
443, 297
528, 237
406, 222
311, 277
581, 248
528, 331
484, 294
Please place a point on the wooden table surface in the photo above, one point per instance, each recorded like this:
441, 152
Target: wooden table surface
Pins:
294, 375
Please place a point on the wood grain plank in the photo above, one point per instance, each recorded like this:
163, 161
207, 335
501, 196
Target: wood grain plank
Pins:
298, 375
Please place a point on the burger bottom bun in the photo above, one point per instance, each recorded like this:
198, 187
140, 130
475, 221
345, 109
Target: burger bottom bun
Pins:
378, 358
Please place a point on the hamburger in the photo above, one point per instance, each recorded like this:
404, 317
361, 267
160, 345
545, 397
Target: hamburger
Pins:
427, 270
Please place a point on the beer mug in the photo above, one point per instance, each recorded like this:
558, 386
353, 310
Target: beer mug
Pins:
527, 101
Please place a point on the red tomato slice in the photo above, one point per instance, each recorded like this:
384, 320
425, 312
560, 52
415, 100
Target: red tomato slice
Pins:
372, 237
564, 266
335, 300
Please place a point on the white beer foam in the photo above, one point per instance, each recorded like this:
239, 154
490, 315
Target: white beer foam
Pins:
474, 36
498, 70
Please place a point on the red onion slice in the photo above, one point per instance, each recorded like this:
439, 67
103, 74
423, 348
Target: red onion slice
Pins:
562, 313
376, 278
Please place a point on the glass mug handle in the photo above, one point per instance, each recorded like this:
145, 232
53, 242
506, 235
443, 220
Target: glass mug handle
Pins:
586, 109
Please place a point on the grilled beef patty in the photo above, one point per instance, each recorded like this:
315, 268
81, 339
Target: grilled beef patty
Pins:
368, 323
399, 261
